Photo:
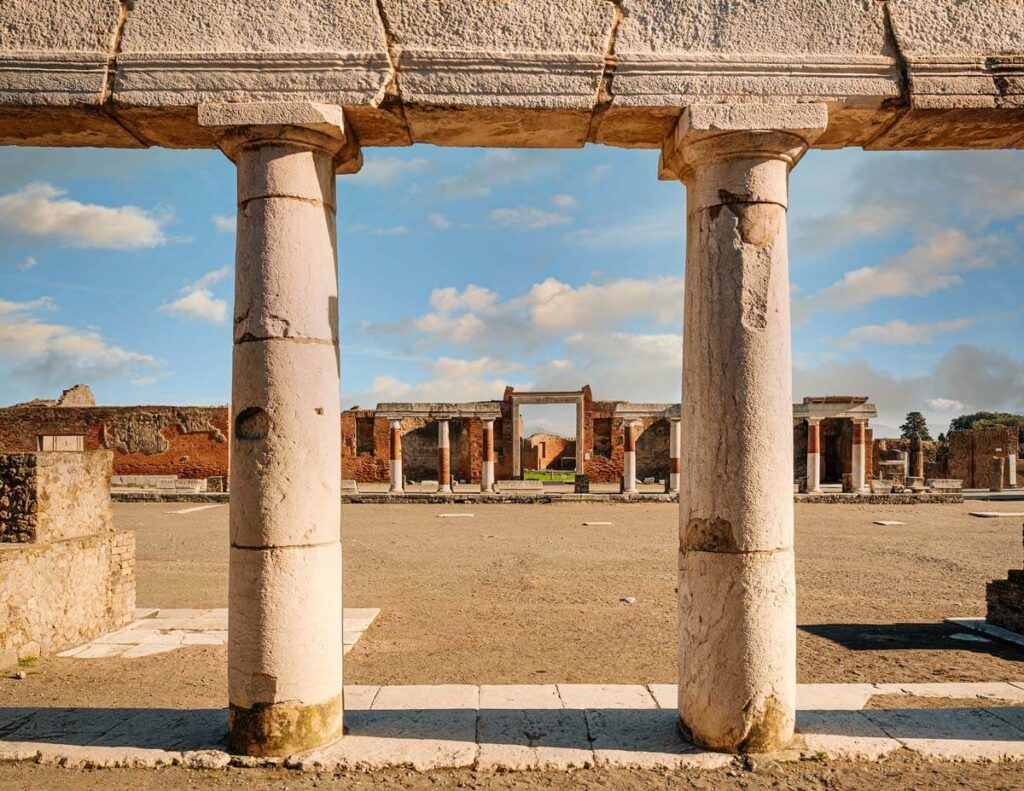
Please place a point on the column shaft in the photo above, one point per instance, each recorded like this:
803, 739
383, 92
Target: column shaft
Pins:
674, 444
397, 482
813, 457
285, 628
857, 466
629, 458
444, 467
487, 470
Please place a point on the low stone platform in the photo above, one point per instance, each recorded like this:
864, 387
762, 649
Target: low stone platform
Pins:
509, 728
157, 631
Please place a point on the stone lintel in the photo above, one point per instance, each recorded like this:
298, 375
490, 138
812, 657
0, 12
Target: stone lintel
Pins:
631, 412
820, 411
706, 130
255, 119
483, 410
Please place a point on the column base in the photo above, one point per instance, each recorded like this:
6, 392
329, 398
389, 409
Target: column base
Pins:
444, 490
285, 728
396, 491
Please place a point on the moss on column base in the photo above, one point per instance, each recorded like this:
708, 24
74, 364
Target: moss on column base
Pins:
286, 728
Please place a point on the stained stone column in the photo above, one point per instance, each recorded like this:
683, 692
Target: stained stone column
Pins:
629, 458
397, 483
285, 613
857, 467
444, 458
737, 590
813, 456
487, 470
674, 440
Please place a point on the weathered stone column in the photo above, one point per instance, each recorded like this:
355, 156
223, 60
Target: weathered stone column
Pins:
857, 467
629, 457
995, 474
737, 590
444, 459
285, 614
397, 482
813, 456
487, 470
674, 439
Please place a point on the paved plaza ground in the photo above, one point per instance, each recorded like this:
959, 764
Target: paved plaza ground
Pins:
529, 595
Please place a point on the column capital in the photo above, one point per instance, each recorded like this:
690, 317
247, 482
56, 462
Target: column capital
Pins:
813, 421
396, 423
237, 126
709, 132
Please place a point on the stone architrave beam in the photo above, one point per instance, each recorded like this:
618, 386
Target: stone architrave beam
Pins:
737, 587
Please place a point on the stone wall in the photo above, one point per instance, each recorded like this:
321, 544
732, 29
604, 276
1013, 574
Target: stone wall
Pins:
66, 575
971, 452
190, 442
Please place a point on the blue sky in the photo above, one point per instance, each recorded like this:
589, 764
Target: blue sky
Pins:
463, 270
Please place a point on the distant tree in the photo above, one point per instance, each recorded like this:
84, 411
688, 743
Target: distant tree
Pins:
988, 420
915, 424
942, 437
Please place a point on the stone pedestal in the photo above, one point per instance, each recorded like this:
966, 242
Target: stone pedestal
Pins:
737, 589
1005, 600
285, 627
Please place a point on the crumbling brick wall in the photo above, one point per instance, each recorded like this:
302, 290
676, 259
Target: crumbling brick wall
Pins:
971, 452
66, 575
190, 442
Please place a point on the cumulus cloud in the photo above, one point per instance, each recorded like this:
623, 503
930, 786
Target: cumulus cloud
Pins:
447, 379
900, 333
197, 302
439, 221
527, 218
224, 223
42, 211
50, 355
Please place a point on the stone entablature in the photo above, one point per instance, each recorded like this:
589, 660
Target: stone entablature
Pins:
66, 575
848, 407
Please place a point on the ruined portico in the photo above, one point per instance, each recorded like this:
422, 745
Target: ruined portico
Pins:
831, 438
733, 94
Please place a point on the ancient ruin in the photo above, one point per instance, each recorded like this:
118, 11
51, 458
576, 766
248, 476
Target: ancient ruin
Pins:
732, 94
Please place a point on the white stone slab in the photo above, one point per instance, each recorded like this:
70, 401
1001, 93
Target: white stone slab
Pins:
202, 638
971, 735
100, 651
169, 729
424, 698
148, 649
521, 696
645, 739
997, 514
359, 697
195, 509
844, 734
887, 522
983, 626
605, 696
533, 739
665, 695
833, 697
990, 690
455, 516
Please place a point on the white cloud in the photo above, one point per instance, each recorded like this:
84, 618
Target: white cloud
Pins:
51, 355
900, 333
385, 171
395, 230
447, 379
198, 303
527, 218
224, 223
947, 406
597, 173
43, 211
29, 262
665, 224
495, 169
439, 221
564, 201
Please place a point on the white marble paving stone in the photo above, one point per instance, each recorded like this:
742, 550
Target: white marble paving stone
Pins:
202, 638
645, 739
148, 649
416, 697
519, 696
533, 739
605, 696
1013, 715
359, 697
168, 730
997, 690
844, 734
67, 725
971, 735
665, 695
100, 651
833, 697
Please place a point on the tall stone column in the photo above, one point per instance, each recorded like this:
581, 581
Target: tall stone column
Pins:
857, 467
285, 613
629, 458
487, 470
444, 458
674, 442
397, 482
813, 456
737, 589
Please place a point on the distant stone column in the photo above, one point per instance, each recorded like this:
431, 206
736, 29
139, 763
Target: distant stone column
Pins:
674, 441
397, 482
737, 586
813, 456
487, 469
995, 475
285, 640
857, 467
629, 458
444, 459
1011, 461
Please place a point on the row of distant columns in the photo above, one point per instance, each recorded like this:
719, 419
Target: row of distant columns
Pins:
737, 592
443, 457
630, 430
858, 461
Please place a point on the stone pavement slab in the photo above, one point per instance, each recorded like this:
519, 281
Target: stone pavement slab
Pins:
605, 696
971, 735
844, 734
424, 697
833, 697
519, 696
665, 695
992, 690
645, 739
533, 738
359, 697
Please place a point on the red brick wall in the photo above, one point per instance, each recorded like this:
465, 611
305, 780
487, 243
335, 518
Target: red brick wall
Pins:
971, 452
190, 442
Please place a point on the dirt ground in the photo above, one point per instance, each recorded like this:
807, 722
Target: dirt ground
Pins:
527, 594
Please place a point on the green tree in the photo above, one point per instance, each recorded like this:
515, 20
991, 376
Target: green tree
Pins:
989, 420
915, 424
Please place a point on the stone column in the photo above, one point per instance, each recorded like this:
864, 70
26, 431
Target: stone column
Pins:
444, 459
1011, 461
487, 470
737, 589
857, 467
397, 482
813, 456
285, 613
674, 440
995, 474
629, 458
